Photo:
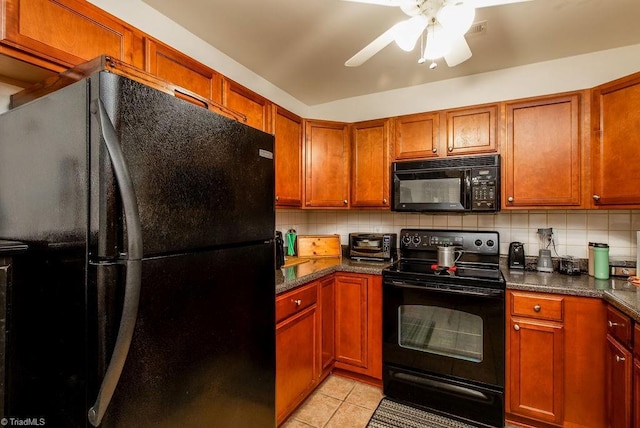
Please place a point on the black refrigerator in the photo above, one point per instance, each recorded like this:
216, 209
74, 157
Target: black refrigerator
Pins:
146, 296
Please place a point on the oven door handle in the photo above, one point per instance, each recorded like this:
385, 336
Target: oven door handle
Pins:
466, 291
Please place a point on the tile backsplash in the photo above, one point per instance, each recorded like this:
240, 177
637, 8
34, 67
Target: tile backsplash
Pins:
572, 230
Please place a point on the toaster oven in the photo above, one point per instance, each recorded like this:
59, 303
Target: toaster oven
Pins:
372, 246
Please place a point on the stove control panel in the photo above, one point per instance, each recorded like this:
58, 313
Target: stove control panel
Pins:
480, 242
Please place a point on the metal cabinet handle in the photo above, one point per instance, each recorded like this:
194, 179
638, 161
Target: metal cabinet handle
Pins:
516, 327
277, 198
450, 148
384, 201
596, 197
510, 199
345, 202
619, 358
434, 150
537, 308
298, 302
613, 324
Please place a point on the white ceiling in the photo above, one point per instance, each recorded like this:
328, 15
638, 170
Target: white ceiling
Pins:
300, 46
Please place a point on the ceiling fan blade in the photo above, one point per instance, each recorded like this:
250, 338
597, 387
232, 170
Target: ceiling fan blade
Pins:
372, 48
489, 3
394, 3
459, 53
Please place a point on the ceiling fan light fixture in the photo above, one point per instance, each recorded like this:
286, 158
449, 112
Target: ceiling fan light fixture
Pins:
456, 16
438, 42
406, 33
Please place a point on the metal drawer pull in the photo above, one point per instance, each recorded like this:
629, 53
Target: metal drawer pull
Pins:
619, 358
298, 302
537, 308
516, 327
614, 324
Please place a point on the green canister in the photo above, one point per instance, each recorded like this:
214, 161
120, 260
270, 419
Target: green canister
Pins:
601, 261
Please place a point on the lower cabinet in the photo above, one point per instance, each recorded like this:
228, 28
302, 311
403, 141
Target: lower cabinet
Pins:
358, 324
620, 371
333, 323
555, 359
297, 348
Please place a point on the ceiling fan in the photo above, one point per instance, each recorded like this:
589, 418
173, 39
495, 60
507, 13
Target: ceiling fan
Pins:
445, 22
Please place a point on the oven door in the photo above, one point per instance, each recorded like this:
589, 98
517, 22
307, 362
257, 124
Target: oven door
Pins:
444, 348
432, 190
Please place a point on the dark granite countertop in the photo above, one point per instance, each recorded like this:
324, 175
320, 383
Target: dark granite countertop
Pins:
615, 291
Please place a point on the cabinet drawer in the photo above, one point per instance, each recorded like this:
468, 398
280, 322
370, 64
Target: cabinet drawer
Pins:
619, 326
295, 301
537, 306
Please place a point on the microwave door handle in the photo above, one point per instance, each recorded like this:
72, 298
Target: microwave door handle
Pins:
133, 280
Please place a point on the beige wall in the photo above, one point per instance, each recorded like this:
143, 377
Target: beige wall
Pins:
573, 230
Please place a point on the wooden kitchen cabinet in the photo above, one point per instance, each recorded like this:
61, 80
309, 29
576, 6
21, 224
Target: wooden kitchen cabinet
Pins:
370, 164
358, 324
620, 369
541, 154
169, 64
254, 107
536, 356
555, 363
327, 304
636, 377
65, 33
288, 154
297, 348
472, 130
326, 164
417, 136
616, 143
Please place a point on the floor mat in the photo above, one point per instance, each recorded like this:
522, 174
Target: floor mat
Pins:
391, 414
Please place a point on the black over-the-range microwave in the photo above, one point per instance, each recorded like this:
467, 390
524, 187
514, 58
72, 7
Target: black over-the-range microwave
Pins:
468, 184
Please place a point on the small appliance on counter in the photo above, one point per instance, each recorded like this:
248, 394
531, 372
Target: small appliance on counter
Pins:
622, 268
372, 246
279, 250
569, 265
516, 258
544, 256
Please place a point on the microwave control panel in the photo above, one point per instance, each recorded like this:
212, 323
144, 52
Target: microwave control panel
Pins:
484, 189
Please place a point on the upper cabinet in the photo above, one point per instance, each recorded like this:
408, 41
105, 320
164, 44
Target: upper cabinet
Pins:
472, 130
616, 143
257, 109
370, 164
65, 33
417, 136
326, 164
175, 67
542, 153
288, 158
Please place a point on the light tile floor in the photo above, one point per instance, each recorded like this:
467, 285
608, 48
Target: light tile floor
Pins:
337, 403
340, 403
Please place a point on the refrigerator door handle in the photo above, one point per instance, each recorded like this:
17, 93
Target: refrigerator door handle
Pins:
133, 264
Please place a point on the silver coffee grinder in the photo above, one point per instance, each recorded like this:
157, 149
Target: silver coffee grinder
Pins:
545, 237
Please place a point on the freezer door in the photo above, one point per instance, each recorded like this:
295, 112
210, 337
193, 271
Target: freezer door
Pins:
201, 180
203, 350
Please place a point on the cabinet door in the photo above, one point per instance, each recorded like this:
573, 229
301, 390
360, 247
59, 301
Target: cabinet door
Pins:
288, 158
179, 69
351, 320
616, 142
326, 165
542, 153
257, 109
472, 130
68, 32
327, 290
370, 164
619, 382
417, 136
536, 372
296, 360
